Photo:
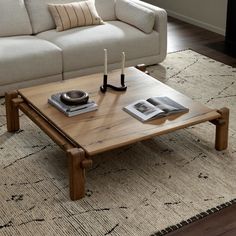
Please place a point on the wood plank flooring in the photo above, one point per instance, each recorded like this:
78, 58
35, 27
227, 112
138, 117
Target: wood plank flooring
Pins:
222, 223
182, 36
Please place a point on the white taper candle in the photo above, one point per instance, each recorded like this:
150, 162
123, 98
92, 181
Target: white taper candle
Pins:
105, 62
123, 63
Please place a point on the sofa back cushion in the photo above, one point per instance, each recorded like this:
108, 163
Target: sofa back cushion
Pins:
106, 9
42, 20
40, 16
14, 19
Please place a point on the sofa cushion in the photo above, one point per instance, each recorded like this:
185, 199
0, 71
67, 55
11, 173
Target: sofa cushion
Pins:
83, 47
39, 14
75, 14
42, 20
136, 15
106, 9
27, 57
14, 19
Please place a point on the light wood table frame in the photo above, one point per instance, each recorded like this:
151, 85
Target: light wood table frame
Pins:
78, 161
80, 156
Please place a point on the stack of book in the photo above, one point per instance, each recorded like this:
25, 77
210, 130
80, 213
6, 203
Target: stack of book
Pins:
71, 110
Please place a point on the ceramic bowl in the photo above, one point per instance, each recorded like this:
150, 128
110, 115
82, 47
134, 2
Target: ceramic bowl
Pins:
74, 97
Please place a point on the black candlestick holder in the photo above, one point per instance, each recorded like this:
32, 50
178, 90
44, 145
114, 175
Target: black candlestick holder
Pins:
105, 85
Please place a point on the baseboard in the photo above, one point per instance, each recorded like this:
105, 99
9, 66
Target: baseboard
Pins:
196, 22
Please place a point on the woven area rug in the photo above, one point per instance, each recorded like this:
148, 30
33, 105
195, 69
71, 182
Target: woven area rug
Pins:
136, 190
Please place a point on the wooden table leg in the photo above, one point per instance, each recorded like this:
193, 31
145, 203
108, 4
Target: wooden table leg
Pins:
222, 127
12, 112
77, 165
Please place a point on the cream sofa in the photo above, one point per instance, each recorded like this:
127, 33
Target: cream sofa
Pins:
33, 52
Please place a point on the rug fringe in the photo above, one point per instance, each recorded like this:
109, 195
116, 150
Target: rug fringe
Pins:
194, 218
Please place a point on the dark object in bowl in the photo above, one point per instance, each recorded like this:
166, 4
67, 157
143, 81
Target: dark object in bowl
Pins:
74, 97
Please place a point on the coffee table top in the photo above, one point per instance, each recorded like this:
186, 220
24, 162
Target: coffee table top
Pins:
110, 127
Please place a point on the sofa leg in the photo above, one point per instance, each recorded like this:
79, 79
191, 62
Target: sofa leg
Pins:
143, 68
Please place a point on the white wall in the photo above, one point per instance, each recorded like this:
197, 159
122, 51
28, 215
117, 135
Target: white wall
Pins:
208, 14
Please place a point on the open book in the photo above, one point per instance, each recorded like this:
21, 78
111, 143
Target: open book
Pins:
154, 107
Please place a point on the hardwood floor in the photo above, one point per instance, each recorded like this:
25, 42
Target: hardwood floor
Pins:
182, 36
222, 223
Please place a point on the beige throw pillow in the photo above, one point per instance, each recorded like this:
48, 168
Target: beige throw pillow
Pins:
71, 15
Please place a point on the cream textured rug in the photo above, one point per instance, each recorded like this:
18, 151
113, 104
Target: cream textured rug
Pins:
136, 190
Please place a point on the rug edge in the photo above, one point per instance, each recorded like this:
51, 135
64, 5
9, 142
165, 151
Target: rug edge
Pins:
192, 219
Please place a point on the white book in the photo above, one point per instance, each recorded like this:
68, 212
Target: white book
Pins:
154, 107
68, 108
71, 110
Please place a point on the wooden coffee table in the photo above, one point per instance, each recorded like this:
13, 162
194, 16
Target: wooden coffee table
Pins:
85, 135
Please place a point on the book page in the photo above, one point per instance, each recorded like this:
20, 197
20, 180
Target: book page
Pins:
143, 110
166, 104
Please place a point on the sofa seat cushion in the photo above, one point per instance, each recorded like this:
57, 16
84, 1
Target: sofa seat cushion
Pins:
27, 57
83, 47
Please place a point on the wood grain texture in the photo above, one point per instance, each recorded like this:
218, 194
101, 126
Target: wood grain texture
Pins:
54, 134
76, 173
110, 127
12, 112
182, 35
222, 128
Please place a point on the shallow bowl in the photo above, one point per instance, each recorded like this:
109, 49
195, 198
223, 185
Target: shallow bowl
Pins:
74, 97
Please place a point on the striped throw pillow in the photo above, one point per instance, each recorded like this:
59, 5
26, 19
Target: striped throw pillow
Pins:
75, 14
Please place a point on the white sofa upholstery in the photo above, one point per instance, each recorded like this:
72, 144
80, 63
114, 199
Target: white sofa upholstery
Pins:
14, 19
48, 55
88, 51
27, 57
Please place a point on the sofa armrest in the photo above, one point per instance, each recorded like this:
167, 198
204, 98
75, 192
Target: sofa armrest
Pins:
160, 24
161, 15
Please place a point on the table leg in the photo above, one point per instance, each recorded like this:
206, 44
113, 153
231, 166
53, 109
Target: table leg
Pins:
12, 112
77, 165
222, 127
